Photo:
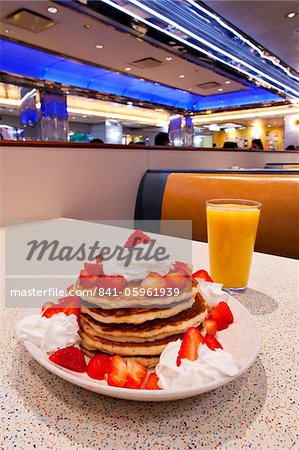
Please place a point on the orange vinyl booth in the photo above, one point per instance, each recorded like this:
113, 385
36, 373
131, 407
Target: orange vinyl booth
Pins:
181, 195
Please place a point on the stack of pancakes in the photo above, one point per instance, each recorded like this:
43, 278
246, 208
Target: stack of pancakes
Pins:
127, 327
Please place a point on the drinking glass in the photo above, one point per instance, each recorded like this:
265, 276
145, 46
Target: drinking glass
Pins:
232, 226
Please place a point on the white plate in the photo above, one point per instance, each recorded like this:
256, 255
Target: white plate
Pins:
241, 339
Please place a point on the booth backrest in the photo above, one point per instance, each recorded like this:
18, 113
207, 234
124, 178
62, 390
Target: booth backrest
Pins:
180, 195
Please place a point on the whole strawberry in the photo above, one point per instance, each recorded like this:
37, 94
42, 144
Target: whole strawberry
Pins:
98, 366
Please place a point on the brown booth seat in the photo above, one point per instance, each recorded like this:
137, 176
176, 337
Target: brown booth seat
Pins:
181, 195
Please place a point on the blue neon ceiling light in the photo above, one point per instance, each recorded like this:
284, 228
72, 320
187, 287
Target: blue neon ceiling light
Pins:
30, 62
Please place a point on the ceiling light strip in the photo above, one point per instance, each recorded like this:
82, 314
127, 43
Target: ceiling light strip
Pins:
244, 115
243, 38
94, 113
212, 46
10, 102
109, 115
189, 44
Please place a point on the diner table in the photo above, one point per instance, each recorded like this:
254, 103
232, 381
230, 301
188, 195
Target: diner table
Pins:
255, 411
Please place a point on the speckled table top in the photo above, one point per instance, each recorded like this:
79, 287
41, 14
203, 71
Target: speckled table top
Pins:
256, 411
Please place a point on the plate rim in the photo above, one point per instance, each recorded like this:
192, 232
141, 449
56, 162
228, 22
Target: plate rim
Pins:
82, 380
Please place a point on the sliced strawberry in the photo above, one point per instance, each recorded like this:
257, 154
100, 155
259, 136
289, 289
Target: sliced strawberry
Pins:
98, 366
154, 281
87, 281
189, 346
211, 326
68, 305
99, 258
152, 382
117, 371
136, 374
94, 269
222, 316
212, 342
202, 274
71, 358
84, 274
111, 282
176, 279
138, 237
180, 266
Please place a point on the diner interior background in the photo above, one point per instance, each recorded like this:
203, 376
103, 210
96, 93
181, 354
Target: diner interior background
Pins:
118, 117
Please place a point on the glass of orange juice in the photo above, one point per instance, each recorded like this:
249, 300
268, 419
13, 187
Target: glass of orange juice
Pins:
232, 226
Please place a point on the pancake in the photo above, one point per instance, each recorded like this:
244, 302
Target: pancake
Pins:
146, 361
150, 330
133, 315
148, 348
127, 300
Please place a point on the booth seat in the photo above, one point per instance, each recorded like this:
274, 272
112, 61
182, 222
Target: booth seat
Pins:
282, 165
181, 195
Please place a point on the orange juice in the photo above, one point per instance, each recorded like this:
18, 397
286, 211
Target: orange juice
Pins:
232, 227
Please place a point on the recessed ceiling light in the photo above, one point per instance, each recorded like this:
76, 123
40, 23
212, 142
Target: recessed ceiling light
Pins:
84, 117
8, 31
227, 82
168, 58
130, 103
52, 10
269, 126
182, 76
87, 26
99, 46
290, 14
73, 117
127, 69
220, 90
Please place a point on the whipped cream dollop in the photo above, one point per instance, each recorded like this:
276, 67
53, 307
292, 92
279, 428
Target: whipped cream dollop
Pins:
211, 292
209, 366
136, 269
49, 334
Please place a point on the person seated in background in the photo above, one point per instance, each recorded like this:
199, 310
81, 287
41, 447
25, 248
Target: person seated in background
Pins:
229, 144
257, 144
162, 138
291, 147
96, 141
